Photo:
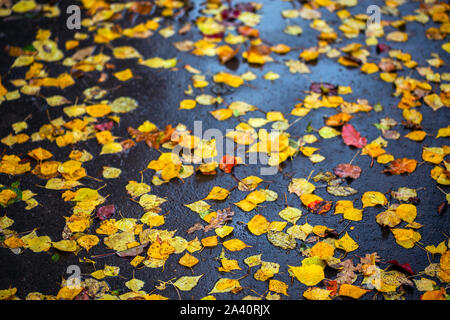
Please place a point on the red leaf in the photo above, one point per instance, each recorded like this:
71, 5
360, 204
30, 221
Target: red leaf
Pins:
104, 126
227, 163
352, 137
442, 207
332, 285
404, 266
381, 47
346, 170
320, 207
106, 212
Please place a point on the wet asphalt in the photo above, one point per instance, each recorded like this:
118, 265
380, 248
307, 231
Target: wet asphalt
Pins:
159, 94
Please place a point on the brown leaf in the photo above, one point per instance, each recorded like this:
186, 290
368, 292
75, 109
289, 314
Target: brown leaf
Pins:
195, 227
391, 134
132, 252
369, 258
222, 217
442, 207
216, 222
185, 29
387, 65
347, 274
154, 138
127, 144
83, 53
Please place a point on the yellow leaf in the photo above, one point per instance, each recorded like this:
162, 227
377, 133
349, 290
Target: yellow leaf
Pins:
235, 245
315, 293
111, 173
228, 265
134, 284
346, 243
271, 75
201, 207
222, 114
406, 237
187, 283
35, 243
348, 290
86, 194
388, 76
258, 225
7, 293
241, 107
412, 115
443, 132
301, 186
278, 286
205, 99
98, 110
397, 36
424, 284
342, 205
112, 147
188, 104
224, 285
385, 158
253, 261
245, 205
188, 260
440, 249
40, 154
373, 198
294, 30
328, 132
210, 241
433, 155
68, 293
124, 75
159, 63
223, 231
322, 250
353, 214
309, 275
88, 241
217, 193
290, 214
407, 212
119, 241
126, 52
369, 68
229, 79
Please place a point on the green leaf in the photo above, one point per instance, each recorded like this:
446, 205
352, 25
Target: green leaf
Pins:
55, 257
29, 47
378, 107
14, 187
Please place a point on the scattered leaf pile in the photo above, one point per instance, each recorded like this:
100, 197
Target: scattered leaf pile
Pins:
321, 223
